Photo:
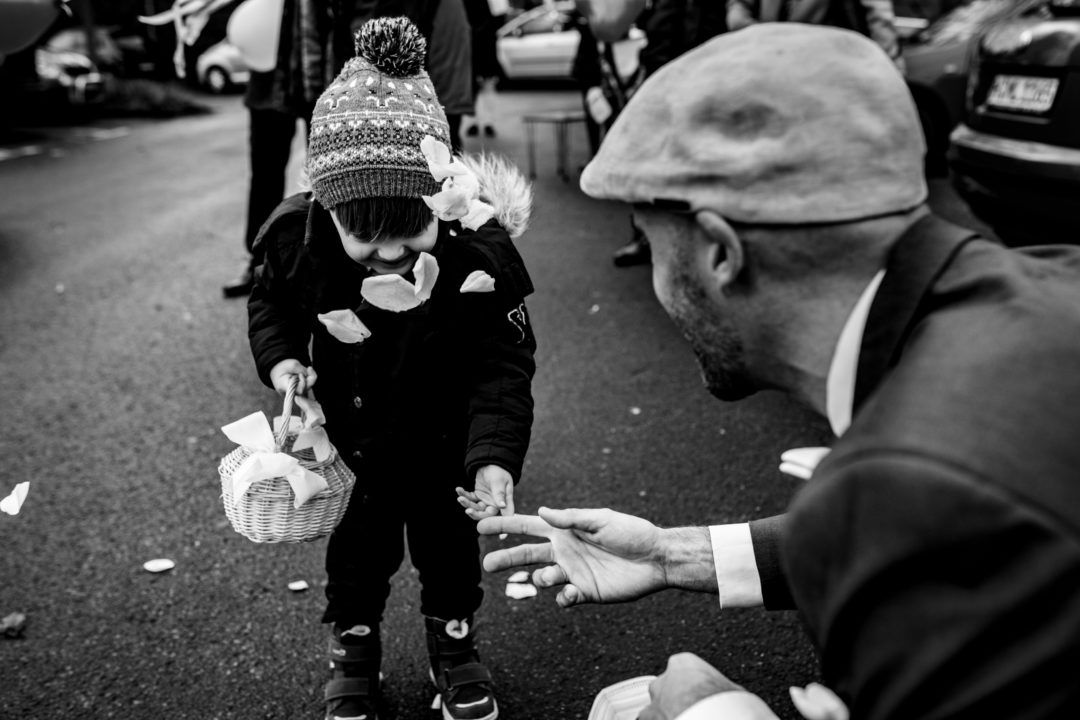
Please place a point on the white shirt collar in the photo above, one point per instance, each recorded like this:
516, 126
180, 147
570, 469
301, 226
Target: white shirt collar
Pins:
840, 383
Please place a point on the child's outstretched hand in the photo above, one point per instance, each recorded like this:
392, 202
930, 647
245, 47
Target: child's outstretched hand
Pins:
287, 369
493, 494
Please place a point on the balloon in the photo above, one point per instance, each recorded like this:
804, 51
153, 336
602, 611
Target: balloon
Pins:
254, 28
22, 22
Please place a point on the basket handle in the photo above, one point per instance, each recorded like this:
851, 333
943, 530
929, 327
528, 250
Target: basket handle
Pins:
286, 413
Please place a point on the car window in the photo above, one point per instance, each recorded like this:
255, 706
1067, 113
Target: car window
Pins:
970, 18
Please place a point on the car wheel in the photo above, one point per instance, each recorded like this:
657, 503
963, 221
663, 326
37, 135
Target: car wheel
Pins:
217, 80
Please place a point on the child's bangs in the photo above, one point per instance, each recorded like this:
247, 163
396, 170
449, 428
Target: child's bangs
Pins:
373, 218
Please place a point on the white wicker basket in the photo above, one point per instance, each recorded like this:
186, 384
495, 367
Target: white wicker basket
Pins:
265, 513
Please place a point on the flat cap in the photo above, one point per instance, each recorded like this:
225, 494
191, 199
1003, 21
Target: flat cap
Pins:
780, 123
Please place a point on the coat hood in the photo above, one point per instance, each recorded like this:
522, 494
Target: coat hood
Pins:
504, 188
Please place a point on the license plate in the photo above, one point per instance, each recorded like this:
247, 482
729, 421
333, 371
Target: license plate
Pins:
1013, 92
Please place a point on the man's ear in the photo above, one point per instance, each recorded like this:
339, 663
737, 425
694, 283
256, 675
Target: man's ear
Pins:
725, 252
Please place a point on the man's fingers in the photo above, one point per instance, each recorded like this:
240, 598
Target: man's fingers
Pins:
532, 554
549, 576
574, 518
569, 596
516, 525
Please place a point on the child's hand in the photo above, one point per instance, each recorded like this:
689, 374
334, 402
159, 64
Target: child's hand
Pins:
493, 494
285, 370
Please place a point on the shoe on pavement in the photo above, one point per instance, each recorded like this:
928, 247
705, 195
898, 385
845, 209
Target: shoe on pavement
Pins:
464, 684
353, 690
242, 285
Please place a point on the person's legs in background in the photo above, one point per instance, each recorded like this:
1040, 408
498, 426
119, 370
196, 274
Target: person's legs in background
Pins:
270, 137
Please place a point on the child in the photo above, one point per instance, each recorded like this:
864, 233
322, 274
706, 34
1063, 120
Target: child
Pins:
422, 349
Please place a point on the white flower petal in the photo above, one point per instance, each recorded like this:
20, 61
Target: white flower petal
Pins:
520, 591
479, 282
817, 702
519, 577
426, 272
479, 213
158, 565
438, 157
345, 326
15, 499
390, 292
449, 204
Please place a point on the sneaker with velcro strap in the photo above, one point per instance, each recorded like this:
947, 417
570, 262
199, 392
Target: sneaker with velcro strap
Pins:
464, 683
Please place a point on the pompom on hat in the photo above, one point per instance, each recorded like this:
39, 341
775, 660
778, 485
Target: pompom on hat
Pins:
367, 127
780, 123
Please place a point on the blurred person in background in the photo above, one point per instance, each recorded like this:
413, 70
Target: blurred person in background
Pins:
317, 37
671, 28
485, 17
873, 18
934, 552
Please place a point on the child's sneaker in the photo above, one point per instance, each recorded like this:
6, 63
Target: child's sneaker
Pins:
355, 656
464, 683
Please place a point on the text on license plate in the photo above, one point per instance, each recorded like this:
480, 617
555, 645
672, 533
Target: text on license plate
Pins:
1013, 92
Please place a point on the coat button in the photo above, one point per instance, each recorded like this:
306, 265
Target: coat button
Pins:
357, 454
357, 402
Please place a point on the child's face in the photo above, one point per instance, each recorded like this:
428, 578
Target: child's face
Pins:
387, 255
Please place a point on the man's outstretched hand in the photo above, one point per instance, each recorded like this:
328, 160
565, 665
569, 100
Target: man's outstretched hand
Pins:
598, 556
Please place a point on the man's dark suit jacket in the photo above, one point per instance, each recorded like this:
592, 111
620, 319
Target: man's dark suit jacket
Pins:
935, 554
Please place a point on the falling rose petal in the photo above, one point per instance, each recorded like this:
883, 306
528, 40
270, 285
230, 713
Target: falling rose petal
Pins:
479, 213
818, 702
345, 326
440, 162
158, 565
15, 499
390, 292
478, 282
449, 204
519, 577
426, 272
520, 591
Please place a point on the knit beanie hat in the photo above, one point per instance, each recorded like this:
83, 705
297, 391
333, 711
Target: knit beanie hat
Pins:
367, 127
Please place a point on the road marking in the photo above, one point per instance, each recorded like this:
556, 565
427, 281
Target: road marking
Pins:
18, 152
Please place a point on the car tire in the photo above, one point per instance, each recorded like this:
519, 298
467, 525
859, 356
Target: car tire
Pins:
217, 80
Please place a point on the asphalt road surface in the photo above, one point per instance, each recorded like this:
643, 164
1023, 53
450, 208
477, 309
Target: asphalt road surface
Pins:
119, 362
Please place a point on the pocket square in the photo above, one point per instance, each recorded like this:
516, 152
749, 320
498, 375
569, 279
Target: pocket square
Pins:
801, 462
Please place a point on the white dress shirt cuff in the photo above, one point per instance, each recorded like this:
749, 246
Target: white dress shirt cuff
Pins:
738, 582
736, 705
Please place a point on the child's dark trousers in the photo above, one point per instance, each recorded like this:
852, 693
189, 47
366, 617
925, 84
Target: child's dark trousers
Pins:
410, 489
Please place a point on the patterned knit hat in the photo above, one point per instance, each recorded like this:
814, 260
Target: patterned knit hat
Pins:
367, 127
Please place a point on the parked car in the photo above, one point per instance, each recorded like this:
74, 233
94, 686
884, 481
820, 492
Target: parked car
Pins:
936, 62
221, 67
73, 72
542, 42
1016, 156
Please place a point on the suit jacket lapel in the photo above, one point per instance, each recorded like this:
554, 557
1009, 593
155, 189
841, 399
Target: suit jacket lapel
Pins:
915, 262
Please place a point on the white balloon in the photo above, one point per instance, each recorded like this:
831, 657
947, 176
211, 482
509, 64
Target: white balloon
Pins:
254, 28
24, 22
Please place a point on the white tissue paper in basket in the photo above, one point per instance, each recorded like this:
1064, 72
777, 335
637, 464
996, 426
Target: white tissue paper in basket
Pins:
265, 462
623, 700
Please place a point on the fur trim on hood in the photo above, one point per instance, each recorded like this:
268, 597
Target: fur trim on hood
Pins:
504, 188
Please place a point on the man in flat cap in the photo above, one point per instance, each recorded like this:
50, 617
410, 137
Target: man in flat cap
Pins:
935, 552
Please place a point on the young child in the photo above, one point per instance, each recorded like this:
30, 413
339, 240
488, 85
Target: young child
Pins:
412, 301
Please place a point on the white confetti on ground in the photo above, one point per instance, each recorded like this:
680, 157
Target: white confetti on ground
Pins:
635, 411
520, 591
158, 565
594, 309
298, 585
